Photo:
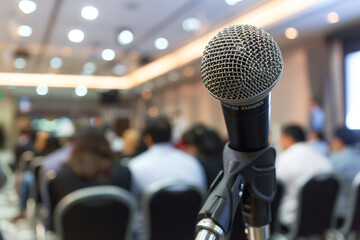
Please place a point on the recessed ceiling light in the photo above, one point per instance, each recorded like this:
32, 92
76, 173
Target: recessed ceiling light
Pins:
24, 31
56, 62
42, 89
108, 54
27, 6
191, 24
189, 71
19, 63
89, 68
120, 69
173, 76
153, 111
76, 35
291, 33
161, 43
125, 37
89, 12
333, 17
232, 2
81, 90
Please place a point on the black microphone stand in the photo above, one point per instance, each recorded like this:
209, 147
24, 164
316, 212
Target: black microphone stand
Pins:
248, 179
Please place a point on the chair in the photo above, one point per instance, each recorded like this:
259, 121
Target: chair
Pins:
170, 210
101, 212
316, 205
352, 221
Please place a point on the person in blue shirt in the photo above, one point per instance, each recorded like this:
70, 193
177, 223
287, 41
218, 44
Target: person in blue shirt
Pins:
345, 159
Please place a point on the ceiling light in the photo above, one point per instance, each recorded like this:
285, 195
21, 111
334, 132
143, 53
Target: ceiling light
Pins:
81, 90
89, 12
76, 36
189, 71
125, 37
161, 43
153, 111
333, 17
56, 62
120, 69
89, 68
42, 89
27, 6
291, 33
173, 76
19, 63
108, 54
24, 31
232, 2
191, 24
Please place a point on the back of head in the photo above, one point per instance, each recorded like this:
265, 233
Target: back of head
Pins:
295, 132
347, 136
91, 154
205, 140
159, 129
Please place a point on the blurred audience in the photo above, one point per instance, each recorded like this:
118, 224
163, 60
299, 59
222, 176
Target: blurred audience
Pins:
162, 161
346, 162
25, 142
131, 138
7, 159
316, 141
206, 145
296, 163
91, 164
317, 116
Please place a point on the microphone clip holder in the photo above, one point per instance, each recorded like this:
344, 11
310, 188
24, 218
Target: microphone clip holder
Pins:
248, 179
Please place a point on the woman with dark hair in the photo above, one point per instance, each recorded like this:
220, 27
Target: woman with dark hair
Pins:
91, 164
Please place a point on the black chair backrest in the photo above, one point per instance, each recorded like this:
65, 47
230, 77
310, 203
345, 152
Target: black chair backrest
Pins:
170, 211
93, 213
317, 199
352, 221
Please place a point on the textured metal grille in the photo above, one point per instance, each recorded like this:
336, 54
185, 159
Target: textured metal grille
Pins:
241, 62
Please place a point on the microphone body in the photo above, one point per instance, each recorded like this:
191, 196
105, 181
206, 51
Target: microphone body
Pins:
240, 66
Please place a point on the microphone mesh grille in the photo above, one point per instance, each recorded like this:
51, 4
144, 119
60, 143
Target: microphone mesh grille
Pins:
241, 62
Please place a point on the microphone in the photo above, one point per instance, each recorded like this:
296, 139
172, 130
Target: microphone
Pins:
240, 66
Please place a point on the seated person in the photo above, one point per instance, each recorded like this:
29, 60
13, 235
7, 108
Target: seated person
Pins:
205, 144
91, 164
346, 162
297, 162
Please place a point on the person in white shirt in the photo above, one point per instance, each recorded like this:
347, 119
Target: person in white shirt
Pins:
162, 161
294, 165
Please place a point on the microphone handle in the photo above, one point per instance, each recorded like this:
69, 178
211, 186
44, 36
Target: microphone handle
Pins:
248, 126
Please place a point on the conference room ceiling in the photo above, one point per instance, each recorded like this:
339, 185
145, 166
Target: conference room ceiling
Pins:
52, 21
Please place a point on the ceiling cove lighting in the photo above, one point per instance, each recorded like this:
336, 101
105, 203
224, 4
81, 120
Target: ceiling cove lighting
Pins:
125, 37
24, 31
332, 17
263, 16
161, 43
89, 12
76, 35
291, 33
108, 54
27, 6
